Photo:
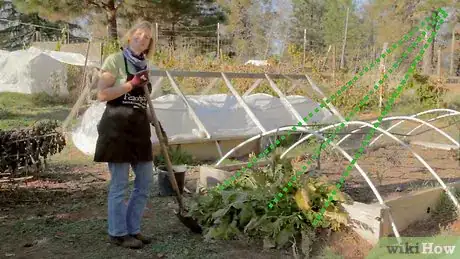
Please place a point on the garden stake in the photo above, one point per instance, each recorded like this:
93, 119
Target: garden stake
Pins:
189, 222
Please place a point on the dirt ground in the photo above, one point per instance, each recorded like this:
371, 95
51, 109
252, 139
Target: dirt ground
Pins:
391, 167
62, 213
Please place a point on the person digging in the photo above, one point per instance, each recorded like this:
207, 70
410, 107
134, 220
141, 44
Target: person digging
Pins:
124, 135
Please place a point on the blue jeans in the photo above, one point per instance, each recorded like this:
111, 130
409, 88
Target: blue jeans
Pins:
126, 219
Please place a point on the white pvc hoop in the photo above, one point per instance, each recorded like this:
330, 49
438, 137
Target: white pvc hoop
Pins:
452, 112
439, 117
360, 170
403, 118
417, 115
440, 181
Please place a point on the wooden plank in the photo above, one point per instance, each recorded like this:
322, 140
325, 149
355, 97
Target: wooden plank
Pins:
329, 104
420, 204
206, 150
219, 75
365, 220
253, 86
243, 104
210, 86
434, 145
81, 99
189, 107
284, 101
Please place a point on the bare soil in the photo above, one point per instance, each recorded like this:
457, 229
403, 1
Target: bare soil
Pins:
62, 214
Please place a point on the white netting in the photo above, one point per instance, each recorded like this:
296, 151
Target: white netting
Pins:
221, 114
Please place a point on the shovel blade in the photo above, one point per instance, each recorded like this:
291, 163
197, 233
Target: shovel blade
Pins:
191, 223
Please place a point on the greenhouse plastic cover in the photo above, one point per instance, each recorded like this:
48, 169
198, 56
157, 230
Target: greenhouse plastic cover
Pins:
221, 115
32, 70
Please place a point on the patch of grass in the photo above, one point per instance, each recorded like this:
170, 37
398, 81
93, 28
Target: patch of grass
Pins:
70, 155
452, 101
22, 110
229, 161
445, 208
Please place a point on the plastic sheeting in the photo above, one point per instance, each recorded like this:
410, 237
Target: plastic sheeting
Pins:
35, 70
221, 115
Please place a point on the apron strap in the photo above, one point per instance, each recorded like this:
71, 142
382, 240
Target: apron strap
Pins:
126, 66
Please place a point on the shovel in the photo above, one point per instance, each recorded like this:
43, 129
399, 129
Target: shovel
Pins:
189, 222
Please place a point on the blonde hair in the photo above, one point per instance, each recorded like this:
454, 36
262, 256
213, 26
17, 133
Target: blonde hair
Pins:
143, 25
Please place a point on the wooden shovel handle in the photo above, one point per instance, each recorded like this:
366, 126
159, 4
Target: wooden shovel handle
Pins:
164, 149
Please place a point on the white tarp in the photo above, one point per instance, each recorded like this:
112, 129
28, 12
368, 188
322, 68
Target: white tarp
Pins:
35, 70
221, 115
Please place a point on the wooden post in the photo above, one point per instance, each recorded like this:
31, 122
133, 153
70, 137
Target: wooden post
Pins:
439, 62
452, 48
304, 46
327, 54
342, 61
86, 90
333, 65
101, 46
156, 32
218, 40
382, 72
426, 58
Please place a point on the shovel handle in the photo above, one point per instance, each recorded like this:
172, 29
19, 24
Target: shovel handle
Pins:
164, 149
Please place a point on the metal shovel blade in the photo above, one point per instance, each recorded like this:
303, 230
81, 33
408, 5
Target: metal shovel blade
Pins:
190, 222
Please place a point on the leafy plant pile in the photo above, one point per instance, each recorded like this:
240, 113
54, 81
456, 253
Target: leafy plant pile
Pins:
241, 209
28, 146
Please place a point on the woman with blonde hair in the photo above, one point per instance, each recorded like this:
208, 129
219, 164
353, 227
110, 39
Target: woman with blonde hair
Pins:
124, 134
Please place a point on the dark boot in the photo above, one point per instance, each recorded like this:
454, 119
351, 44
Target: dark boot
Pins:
145, 240
127, 242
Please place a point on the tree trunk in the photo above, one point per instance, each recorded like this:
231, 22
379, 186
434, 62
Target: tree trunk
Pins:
112, 29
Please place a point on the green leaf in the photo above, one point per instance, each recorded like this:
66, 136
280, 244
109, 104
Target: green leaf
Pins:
246, 214
220, 213
284, 236
253, 223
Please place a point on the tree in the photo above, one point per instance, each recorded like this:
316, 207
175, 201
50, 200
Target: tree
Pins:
402, 15
309, 16
16, 35
250, 26
66, 10
334, 27
173, 14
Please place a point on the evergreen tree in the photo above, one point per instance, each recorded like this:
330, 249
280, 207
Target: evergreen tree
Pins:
16, 33
66, 10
